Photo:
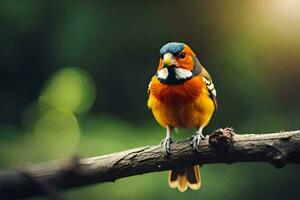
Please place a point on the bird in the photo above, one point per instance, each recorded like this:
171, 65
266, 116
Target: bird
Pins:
181, 95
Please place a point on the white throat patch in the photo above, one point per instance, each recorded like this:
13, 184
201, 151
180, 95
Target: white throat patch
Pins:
179, 73
163, 73
182, 73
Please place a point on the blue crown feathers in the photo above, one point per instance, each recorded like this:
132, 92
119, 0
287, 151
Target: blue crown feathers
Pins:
173, 47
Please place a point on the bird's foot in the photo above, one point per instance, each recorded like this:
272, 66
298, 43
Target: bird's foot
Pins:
166, 145
196, 140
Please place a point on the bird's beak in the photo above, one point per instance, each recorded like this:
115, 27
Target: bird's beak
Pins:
168, 60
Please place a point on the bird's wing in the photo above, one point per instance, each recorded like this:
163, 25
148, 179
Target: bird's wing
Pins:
150, 97
149, 85
210, 86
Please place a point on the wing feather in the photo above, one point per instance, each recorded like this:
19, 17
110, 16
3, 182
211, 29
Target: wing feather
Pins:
210, 86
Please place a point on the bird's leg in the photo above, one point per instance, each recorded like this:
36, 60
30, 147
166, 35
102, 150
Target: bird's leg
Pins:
197, 137
167, 141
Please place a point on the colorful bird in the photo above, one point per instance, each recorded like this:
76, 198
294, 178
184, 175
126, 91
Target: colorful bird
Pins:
182, 95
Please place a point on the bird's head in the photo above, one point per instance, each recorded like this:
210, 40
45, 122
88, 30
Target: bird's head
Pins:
177, 63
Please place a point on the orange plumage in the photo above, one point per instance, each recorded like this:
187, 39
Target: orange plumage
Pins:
182, 106
181, 95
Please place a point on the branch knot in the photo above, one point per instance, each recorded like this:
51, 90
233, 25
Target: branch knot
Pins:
277, 157
221, 138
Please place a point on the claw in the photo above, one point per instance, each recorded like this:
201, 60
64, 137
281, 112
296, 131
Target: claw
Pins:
196, 139
166, 145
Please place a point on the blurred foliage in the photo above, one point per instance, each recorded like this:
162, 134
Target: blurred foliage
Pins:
71, 90
55, 56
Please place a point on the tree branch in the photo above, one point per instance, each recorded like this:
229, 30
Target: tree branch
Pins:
223, 146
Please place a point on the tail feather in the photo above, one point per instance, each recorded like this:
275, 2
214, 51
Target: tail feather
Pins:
184, 178
182, 186
175, 178
193, 177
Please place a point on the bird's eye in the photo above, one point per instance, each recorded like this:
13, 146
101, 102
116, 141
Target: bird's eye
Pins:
182, 55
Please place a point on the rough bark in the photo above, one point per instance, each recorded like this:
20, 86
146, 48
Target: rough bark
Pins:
223, 146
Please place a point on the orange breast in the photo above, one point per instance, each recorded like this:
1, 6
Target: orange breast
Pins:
185, 105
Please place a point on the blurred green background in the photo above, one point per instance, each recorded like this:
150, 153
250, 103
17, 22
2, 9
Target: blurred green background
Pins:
74, 77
